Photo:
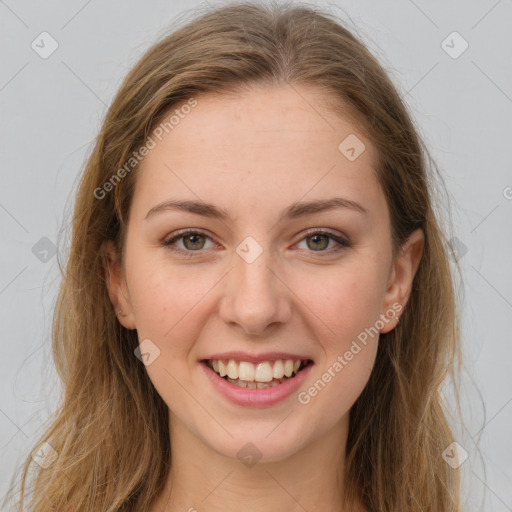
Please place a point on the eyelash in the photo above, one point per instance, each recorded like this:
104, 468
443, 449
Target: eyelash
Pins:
343, 243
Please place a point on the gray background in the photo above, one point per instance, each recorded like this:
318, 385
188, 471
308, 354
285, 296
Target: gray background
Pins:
52, 109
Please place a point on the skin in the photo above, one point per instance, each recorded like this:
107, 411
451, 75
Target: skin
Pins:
254, 154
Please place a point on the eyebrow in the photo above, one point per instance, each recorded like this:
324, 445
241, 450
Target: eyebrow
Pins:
294, 211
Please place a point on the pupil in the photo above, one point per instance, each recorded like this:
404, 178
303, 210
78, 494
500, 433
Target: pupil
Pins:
319, 236
190, 237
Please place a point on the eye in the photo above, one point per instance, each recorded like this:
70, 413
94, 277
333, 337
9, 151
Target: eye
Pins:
318, 241
193, 241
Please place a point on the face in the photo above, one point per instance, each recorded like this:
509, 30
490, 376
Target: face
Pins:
260, 280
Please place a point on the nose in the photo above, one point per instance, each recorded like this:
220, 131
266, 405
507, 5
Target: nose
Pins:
256, 298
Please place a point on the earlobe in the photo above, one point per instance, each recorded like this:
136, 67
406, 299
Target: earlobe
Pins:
402, 275
116, 286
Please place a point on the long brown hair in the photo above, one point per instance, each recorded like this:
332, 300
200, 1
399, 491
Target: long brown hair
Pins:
110, 433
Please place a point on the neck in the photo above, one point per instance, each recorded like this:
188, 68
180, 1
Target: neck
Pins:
202, 479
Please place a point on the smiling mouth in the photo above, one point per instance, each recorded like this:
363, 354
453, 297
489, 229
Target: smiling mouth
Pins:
265, 374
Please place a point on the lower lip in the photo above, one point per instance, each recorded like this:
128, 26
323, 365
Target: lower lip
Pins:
256, 397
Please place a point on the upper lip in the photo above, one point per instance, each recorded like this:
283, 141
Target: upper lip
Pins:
257, 358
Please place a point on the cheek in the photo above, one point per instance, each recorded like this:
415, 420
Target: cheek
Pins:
345, 302
346, 305
166, 300
347, 308
169, 306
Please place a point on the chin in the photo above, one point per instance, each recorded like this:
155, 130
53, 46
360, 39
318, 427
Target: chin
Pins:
263, 444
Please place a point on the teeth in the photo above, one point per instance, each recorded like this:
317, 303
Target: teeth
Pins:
278, 372
258, 375
246, 372
263, 372
222, 369
232, 369
252, 385
288, 367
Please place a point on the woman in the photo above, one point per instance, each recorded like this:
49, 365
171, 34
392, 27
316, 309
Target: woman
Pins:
257, 311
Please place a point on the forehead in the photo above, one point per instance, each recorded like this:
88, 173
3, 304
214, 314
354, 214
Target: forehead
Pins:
260, 146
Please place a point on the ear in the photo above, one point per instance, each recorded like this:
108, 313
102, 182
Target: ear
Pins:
116, 285
402, 274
